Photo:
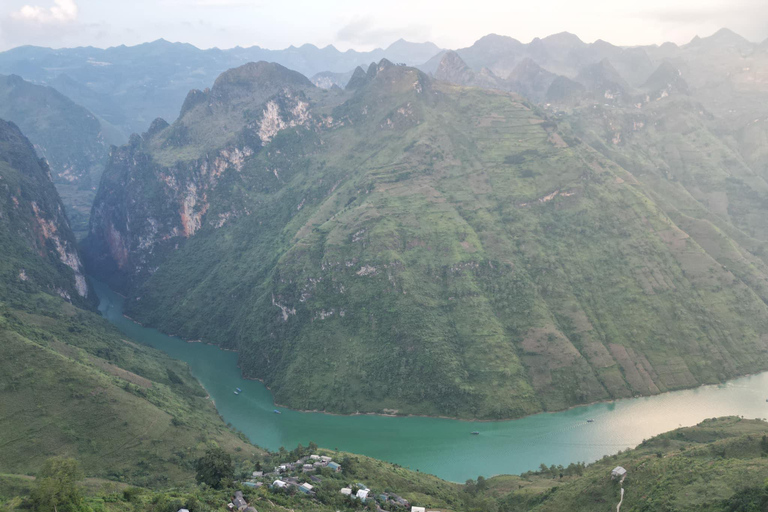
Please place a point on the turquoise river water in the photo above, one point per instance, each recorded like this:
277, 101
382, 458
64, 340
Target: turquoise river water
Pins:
444, 447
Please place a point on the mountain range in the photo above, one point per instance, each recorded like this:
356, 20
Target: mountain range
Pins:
439, 249
507, 229
127, 87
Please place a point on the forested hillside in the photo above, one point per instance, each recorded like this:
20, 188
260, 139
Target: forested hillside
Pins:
427, 248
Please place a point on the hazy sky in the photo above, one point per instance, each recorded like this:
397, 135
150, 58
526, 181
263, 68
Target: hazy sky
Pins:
368, 24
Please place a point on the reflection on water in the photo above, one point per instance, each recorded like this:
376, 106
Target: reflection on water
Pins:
445, 447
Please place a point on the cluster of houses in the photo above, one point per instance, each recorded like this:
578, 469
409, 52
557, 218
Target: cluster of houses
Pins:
365, 494
238, 503
308, 465
288, 476
283, 473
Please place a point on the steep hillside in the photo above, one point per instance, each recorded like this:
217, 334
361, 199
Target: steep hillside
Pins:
38, 247
69, 383
424, 248
67, 135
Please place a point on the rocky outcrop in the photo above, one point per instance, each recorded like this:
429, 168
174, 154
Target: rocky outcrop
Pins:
38, 246
665, 81
158, 190
453, 69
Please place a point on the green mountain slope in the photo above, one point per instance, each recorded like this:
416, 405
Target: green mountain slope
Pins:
67, 135
38, 246
69, 383
71, 386
424, 248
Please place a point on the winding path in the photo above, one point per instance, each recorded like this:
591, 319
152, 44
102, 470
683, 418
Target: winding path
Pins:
618, 507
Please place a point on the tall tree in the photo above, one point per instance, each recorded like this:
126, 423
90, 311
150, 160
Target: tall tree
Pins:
215, 468
57, 488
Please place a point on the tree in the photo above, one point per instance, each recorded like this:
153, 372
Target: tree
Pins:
57, 488
215, 468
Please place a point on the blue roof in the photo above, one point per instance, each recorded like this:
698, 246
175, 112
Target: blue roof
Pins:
333, 465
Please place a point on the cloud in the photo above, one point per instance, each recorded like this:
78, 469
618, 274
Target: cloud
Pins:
212, 3
747, 17
363, 31
62, 11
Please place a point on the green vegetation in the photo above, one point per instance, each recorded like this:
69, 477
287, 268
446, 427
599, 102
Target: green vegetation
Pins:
39, 250
67, 135
215, 468
720, 465
70, 384
434, 249
57, 488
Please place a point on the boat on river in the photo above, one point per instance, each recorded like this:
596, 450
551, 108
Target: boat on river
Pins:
475, 433
590, 421
277, 412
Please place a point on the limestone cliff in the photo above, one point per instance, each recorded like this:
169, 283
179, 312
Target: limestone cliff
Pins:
39, 248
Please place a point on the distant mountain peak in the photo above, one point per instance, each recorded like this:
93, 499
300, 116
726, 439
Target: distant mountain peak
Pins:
526, 66
665, 80
452, 68
724, 37
726, 33
402, 44
257, 74
603, 77
564, 39
359, 79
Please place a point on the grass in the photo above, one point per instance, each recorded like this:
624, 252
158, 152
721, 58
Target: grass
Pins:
71, 386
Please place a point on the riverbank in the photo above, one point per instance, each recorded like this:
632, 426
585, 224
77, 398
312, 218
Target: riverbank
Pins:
446, 447
414, 415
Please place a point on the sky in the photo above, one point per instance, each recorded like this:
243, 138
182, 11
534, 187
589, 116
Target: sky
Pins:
368, 24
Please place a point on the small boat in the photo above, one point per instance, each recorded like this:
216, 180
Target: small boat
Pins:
276, 411
590, 421
475, 433
239, 390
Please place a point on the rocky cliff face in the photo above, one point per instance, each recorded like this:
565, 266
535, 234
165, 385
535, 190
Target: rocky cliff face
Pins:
157, 190
39, 248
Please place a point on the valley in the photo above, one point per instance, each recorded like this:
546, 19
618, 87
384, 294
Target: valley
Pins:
444, 447
540, 269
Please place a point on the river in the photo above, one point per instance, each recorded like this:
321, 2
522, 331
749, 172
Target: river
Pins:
444, 447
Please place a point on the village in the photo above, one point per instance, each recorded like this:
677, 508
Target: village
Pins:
308, 475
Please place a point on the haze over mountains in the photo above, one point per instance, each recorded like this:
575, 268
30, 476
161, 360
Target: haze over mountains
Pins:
480, 233
284, 213
127, 87
501, 258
